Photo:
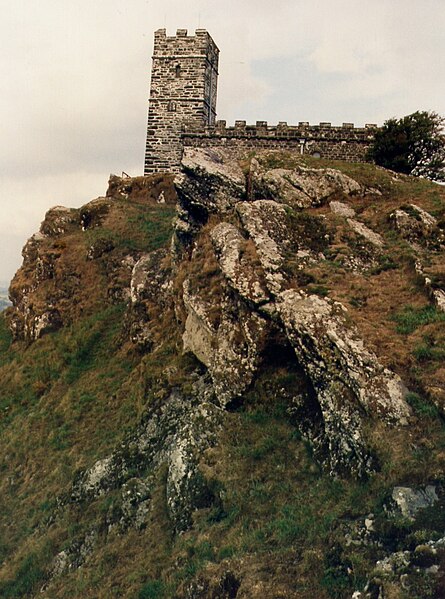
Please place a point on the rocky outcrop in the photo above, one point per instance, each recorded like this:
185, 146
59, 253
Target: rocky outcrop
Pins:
255, 362
300, 187
150, 291
409, 501
417, 226
172, 434
404, 561
231, 249
371, 236
73, 248
230, 350
422, 231
207, 184
251, 244
265, 223
348, 380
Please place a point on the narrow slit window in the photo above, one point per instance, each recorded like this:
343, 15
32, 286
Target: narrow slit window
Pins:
178, 71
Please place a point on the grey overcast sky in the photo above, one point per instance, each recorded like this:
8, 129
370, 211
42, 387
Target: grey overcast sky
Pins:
74, 77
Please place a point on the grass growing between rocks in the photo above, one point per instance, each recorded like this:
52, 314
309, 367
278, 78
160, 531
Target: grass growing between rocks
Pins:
277, 521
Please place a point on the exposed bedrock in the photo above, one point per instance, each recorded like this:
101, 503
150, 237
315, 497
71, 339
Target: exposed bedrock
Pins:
250, 240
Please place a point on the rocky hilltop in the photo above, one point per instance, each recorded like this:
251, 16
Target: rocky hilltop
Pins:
229, 384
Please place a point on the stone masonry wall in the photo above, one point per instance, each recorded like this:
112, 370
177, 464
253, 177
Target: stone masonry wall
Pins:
336, 143
182, 111
182, 94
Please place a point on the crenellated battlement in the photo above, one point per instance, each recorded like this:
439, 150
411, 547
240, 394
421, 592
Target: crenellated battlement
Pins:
182, 111
282, 129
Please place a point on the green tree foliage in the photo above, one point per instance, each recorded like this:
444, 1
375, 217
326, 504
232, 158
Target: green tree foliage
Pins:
414, 145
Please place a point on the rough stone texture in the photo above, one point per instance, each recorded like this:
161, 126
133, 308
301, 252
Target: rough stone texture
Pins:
58, 220
74, 556
150, 279
172, 433
410, 501
150, 286
209, 181
417, 226
436, 295
31, 318
93, 213
262, 219
182, 111
229, 247
208, 184
347, 382
342, 209
230, 350
439, 299
182, 94
302, 187
365, 232
317, 326
333, 143
199, 334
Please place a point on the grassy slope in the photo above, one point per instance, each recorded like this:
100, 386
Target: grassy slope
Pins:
68, 398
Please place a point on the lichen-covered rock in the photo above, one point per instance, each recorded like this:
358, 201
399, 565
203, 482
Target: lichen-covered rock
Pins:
99, 248
209, 182
348, 384
436, 294
302, 187
230, 249
150, 278
409, 501
221, 586
342, 209
132, 508
265, 222
174, 433
93, 213
200, 332
371, 236
208, 177
150, 291
230, 349
331, 349
348, 380
417, 226
59, 220
74, 556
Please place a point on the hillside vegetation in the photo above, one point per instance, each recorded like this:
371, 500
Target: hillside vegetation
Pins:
230, 384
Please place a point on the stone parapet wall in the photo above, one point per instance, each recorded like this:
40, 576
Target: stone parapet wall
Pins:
336, 143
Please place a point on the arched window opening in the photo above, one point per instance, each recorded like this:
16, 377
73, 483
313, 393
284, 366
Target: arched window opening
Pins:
178, 71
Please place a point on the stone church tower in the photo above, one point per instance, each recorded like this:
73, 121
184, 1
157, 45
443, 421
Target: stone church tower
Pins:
182, 94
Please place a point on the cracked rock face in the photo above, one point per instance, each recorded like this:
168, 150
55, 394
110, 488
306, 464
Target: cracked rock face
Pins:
302, 187
230, 350
348, 380
175, 434
250, 243
230, 248
264, 221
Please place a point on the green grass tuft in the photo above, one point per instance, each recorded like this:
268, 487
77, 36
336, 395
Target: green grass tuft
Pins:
410, 318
